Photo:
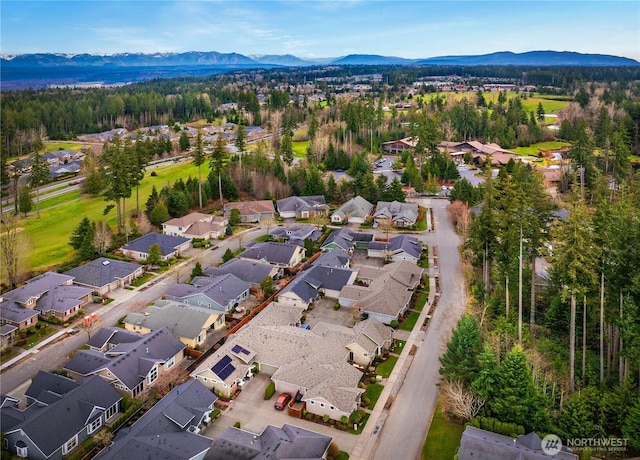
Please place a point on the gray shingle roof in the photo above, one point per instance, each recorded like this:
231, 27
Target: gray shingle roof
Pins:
62, 298
160, 432
167, 243
271, 252
37, 286
14, 313
307, 283
180, 319
74, 409
355, 207
112, 335
397, 211
99, 273
246, 270
222, 289
299, 204
288, 442
333, 258
401, 243
296, 232
346, 238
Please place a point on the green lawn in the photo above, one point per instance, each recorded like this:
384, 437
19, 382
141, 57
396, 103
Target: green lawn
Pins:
361, 425
48, 236
54, 146
384, 368
550, 104
399, 345
58, 200
373, 392
143, 279
533, 149
410, 322
300, 149
39, 336
443, 438
421, 224
422, 300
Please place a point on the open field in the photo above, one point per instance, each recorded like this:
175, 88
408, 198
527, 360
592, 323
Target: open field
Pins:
300, 149
551, 104
533, 149
48, 236
54, 146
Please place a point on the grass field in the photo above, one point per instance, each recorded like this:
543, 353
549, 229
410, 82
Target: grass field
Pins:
533, 149
48, 236
530, 104
443, 438
300, 149
54, 146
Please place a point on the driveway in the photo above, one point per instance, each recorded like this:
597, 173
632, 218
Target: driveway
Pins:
254, 414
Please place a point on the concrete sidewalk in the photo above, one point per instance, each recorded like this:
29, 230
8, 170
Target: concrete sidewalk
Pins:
368, 440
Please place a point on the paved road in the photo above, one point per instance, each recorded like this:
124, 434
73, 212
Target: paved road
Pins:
55, 355
406, 427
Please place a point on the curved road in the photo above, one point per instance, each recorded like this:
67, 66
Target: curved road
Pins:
406, 427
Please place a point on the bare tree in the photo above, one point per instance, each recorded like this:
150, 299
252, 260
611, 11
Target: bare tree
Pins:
318, 220
89, 324
13, 249
267, 223
103, 437
142, 221
458, 401
102, 236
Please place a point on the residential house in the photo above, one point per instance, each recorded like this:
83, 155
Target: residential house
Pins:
131, 368
105, 275
275, 443
477, 444
7, 336
14, 314
169, 430
284, 255
59, 170
170, 246
220, 295
399, 146
481, 152
296, 234
316, 280
367, 339
196, 225
386, 293
297, 359
396, 213
356, 210
61, 416
401, 247
302, 207
346, 240
106, 338
250, 272
251, 211
337, 258
51, 294
188, 324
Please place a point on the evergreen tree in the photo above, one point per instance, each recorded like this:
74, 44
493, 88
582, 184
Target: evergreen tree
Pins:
228, 255
330, 189
460, 360
394, 191
331, 160
314, 184
516, 399
184, 142
485, 383
218, 162
25, 200
78, 235
267, 287
540, 112
631, 426
575, 420
38, 175
153, 200
197, 270
234, 217
154, 256
199, 158
159, 214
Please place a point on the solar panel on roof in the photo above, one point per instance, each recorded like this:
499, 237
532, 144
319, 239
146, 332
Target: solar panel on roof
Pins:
239, 349
226, 372
224, 361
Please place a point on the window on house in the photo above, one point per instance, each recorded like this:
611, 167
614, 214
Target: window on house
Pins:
110, 412
70, 445
321, 404
153, 375
22, 452
95, 425
170, 363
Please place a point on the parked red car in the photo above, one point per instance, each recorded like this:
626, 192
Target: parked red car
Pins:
282, 401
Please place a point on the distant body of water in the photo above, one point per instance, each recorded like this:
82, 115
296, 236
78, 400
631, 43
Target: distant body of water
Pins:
15, 78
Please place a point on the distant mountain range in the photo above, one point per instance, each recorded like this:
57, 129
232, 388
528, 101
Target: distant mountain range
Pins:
212, 58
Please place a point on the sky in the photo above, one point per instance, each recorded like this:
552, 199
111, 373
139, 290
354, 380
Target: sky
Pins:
320, 28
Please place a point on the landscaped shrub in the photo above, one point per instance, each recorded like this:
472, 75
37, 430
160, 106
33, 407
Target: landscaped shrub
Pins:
336, 306
373, 379
325, 418
496, 426
394, 323
270, 390
365, 401
215, 413
236, 425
